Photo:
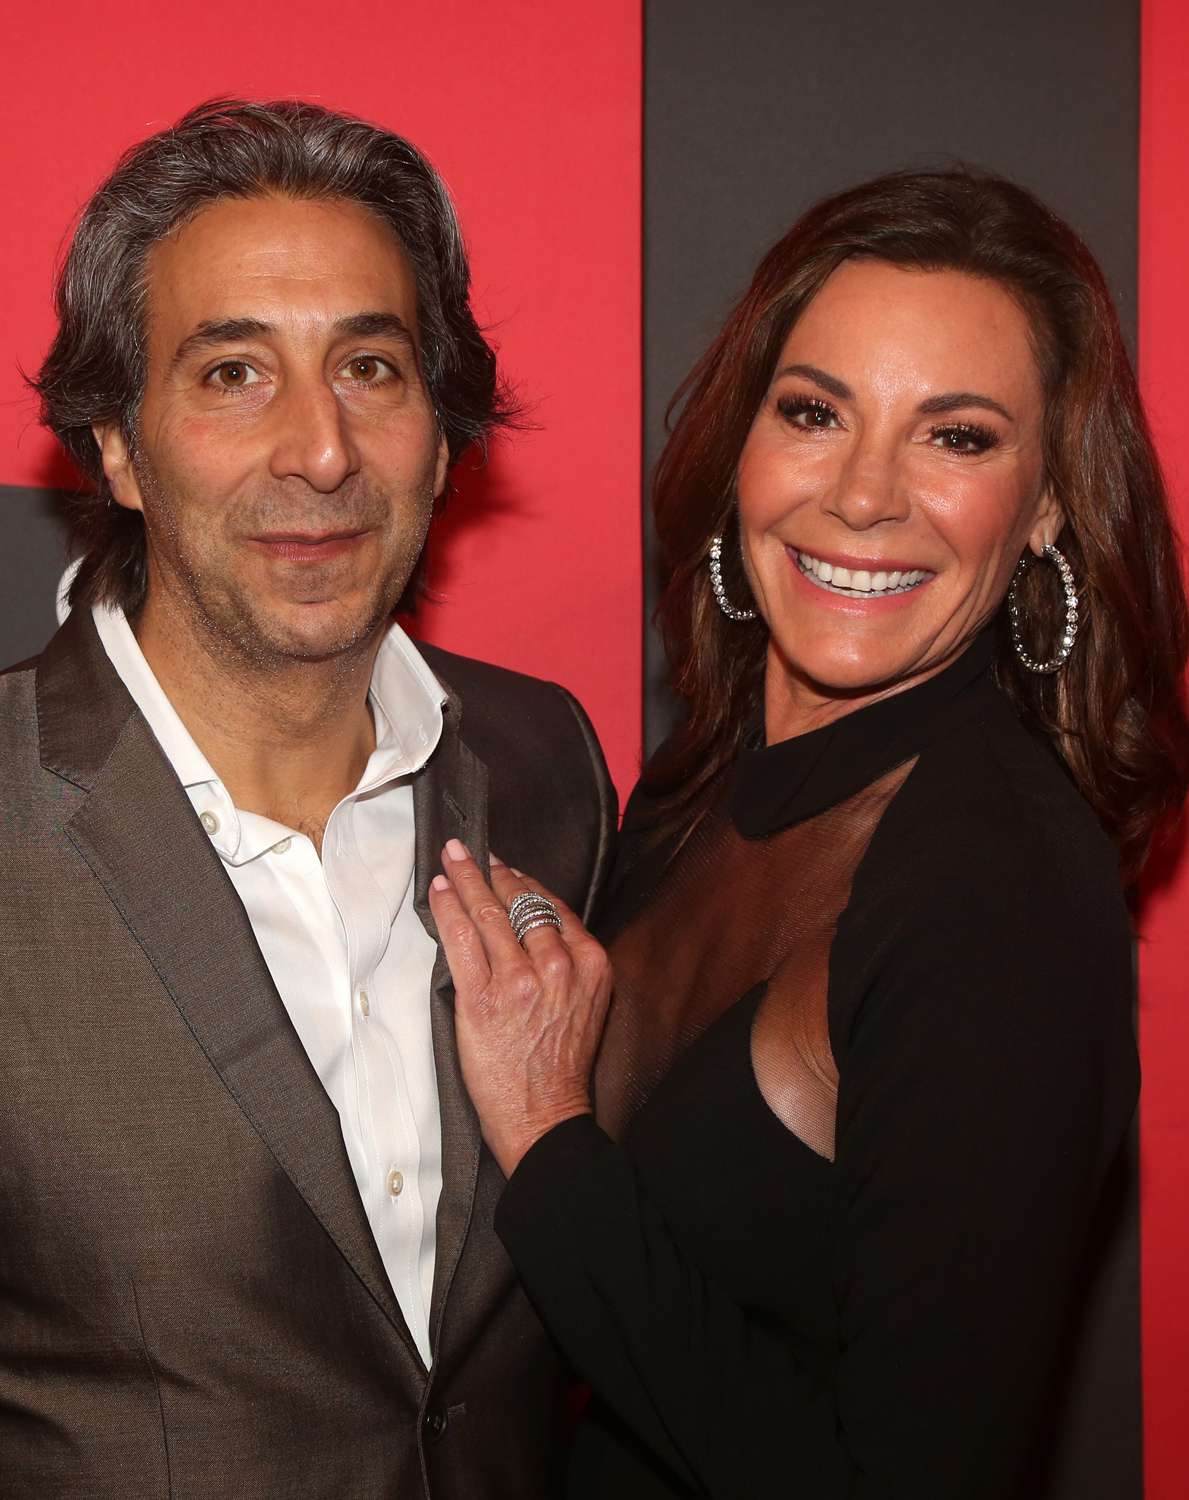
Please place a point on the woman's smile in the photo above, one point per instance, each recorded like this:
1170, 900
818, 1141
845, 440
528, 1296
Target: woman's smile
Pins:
868, 579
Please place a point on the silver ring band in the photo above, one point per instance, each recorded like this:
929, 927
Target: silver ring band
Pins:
544, 920
527, 898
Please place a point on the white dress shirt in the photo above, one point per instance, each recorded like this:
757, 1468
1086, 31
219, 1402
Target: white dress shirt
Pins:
344, 945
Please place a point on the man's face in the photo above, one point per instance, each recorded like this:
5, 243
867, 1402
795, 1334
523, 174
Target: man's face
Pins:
288, 454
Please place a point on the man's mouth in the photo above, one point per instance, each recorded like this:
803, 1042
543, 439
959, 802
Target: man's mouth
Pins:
876, 581
298, 546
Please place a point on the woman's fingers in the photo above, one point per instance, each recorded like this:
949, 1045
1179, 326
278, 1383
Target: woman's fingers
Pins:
488, 911
507, 883
461, 941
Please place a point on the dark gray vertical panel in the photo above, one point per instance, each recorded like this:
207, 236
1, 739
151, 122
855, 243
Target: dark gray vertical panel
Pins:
752, 111
32, 556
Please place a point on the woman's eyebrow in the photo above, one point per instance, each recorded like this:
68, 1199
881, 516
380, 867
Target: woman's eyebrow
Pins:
829, 383
956, 400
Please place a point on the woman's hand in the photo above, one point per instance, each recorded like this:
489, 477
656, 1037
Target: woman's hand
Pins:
528, 1018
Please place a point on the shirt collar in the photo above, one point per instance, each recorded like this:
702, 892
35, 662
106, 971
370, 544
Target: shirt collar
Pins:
406, 701
778, 785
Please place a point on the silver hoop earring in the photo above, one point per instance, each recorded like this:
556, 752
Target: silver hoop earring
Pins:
1068, 636
716, 584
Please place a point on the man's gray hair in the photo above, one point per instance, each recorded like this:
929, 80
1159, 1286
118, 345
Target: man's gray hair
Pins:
229, 148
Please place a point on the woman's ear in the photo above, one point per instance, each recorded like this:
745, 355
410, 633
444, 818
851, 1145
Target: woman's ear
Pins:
1047, 523
117, 465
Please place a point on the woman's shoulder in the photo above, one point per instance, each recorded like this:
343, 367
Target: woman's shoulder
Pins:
990, 803
989, 876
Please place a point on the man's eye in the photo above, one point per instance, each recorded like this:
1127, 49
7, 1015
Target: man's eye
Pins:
367, 369
233, 375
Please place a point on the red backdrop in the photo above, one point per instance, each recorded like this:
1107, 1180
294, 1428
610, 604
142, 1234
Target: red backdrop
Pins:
1164, 948
536, 126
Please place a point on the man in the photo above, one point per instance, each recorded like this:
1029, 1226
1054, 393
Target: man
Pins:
247, 1245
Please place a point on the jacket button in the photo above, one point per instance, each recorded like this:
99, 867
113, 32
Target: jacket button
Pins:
434, 1424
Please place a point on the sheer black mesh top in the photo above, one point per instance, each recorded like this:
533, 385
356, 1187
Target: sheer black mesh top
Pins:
867, 1064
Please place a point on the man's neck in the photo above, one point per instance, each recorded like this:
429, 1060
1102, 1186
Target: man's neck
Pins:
288, 739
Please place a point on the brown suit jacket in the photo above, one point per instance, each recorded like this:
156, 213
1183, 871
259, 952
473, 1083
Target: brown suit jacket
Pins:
191, 1300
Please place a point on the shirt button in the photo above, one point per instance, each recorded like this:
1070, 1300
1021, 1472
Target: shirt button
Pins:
210, 822
396, 1181
282, 847
365, 1005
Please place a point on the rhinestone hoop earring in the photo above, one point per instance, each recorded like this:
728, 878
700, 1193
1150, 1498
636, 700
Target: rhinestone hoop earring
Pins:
720, 592
1068, 636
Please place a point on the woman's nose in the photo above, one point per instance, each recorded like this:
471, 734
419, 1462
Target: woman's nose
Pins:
313, 438
869, 488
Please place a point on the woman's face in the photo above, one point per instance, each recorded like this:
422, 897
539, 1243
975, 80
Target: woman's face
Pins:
891, 479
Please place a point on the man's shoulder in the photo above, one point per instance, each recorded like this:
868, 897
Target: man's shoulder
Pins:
500, 705
18, 698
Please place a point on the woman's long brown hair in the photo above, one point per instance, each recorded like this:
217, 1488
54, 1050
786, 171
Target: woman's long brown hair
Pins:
1116, 712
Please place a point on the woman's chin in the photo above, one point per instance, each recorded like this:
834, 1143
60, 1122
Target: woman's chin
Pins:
853, 669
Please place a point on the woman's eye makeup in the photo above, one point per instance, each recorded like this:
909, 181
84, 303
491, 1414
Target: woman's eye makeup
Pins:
810, 413
964, 437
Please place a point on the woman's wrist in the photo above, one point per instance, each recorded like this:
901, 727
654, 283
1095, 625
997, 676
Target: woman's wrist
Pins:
510, 1144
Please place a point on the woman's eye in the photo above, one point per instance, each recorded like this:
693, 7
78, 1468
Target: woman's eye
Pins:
965, 438
367, 369
233, 375
807, 412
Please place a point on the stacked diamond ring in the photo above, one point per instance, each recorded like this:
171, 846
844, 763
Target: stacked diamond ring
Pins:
529, 910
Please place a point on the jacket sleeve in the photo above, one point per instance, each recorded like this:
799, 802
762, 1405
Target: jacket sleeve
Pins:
604, 800
987, 1077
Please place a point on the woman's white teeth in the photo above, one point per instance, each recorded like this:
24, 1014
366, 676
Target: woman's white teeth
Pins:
860, 580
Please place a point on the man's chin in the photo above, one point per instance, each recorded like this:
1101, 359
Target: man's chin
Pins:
314, 631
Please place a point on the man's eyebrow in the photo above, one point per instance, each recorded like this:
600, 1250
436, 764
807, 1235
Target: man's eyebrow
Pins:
829, 383
376, 325
219, 331
956, 400
216, 332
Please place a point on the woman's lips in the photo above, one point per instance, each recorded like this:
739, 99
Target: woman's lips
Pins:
857, 582
294, 547
861, 578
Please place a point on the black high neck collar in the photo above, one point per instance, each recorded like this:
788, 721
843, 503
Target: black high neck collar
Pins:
778, 785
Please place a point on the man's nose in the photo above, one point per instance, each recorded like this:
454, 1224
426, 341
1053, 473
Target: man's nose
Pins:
869, 488
313, 438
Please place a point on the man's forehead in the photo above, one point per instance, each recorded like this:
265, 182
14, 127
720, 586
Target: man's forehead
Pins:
289, 263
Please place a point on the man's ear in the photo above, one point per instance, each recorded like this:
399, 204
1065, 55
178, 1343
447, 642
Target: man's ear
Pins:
117, 465
1046, 527
440, 468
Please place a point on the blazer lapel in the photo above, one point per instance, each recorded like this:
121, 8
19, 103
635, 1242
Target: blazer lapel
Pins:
138, 833
449, 801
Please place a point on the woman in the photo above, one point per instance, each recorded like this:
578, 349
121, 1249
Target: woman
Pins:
870, 1055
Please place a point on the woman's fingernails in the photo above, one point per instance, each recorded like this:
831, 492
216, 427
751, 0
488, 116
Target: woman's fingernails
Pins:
439, 883
518, 873
496, 861
457, 850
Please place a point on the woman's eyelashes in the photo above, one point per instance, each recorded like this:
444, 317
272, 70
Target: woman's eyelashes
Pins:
964, 437
812, 414
809, 413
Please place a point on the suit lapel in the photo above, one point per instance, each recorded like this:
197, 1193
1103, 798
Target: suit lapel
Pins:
138, 833
449, 801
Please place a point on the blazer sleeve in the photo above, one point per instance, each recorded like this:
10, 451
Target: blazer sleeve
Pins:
988, 1075
604, 800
